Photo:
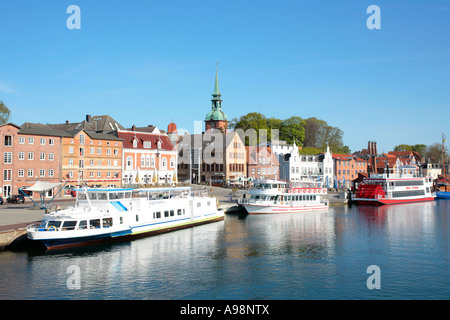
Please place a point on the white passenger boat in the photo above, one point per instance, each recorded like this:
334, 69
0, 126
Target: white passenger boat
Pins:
274, 196
109, 214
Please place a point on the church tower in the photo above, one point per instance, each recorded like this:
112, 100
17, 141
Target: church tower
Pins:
216, 118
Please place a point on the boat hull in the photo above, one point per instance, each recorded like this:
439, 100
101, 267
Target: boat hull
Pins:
383, 201
264, 209
443, 195
125, 235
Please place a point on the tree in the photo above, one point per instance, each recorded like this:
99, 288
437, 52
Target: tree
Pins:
4, 113
318, 134
293, 130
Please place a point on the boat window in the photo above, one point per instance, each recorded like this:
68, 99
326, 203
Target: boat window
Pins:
107, 222
179, 212
121, 220
127, 195
94, 224
119, 195
172, 213
208, 203
81, 195
82, 225
92, 195
102, 196
113, 195
199, 204
166, 213
55, 224
137, 218
274, 186
157, 215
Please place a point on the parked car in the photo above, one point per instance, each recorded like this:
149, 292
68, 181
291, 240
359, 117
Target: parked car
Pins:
1, 200
16, 198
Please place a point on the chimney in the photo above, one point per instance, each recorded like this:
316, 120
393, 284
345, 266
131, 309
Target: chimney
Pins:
88, 118
133, 128
67, 121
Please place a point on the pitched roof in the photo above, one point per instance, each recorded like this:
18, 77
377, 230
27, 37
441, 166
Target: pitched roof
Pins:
129, 136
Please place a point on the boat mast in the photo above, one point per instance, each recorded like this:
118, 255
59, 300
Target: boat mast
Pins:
443, 156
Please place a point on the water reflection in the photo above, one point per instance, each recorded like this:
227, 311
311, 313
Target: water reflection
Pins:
320, 255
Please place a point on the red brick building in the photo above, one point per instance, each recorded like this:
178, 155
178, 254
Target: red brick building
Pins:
28, 156
261, 163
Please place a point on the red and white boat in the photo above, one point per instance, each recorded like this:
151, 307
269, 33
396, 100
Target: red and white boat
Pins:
381, 189
274, 196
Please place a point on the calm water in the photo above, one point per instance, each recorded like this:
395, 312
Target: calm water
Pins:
285, 256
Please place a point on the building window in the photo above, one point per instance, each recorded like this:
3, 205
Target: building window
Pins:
99, 174
172, 163
30, 173
42, 156
51, 156
164, 163
7, 175
70, 162
51, 142
51, 172
82, 139
30, 140
129, 163
147, 144
99, 151
21, 155
21, 173
108, 152
70, 150
142, 161
30, 156
7, 157
135, 143
42, 172
42, 140
91, 150
21, 140
8, 141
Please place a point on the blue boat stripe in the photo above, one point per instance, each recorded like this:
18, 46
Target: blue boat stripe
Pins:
119, 206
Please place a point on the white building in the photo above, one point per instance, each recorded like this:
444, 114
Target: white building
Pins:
296, 166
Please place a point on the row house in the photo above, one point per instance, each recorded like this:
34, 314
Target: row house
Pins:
347, 168
148, 157
28, 156
90, 152
296, 166
213, 158
261, 163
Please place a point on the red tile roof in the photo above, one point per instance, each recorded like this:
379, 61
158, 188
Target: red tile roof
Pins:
128, 138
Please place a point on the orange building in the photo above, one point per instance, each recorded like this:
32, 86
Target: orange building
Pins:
92, 158
347, 167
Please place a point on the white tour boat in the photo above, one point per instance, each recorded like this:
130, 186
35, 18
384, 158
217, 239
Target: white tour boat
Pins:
109, 214
396, 188
274, 196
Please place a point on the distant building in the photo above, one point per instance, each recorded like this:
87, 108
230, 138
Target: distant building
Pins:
149, 158
262, 163
346, 168
212, 158
216, 118
28, 156
296, 166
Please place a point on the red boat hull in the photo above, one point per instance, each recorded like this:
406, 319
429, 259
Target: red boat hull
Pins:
382, 201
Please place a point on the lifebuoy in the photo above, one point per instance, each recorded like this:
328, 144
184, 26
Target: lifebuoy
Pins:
52, 228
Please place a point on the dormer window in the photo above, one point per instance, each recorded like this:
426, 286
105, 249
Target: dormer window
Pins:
135, 142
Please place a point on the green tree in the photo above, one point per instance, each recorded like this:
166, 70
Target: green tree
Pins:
403, 147
293, 130
4, 113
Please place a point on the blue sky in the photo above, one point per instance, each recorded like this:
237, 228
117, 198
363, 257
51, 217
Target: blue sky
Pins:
153, 62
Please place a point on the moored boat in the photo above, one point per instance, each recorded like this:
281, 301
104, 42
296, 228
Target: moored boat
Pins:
274, 196
380, 189
112, 214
